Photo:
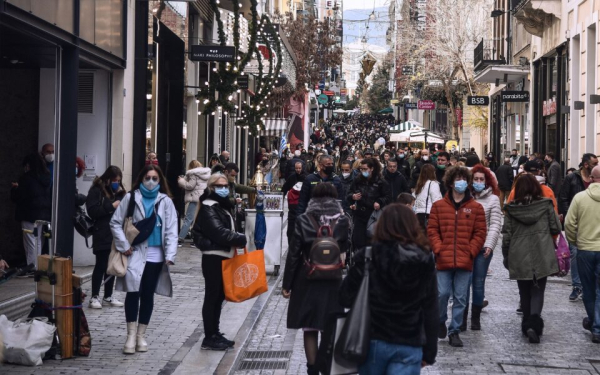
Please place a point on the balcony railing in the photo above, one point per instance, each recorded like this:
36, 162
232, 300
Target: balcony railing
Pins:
485, 55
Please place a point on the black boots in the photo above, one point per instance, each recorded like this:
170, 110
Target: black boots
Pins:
533, 328
475, 317
463, 326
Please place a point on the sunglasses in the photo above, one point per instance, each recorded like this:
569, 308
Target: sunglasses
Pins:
153, 178
221, 186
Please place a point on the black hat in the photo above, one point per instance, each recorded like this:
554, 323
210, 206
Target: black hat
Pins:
368, 151
532, 166
472, 160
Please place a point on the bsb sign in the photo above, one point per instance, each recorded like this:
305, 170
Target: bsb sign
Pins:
478, 100
213, 53
514, 96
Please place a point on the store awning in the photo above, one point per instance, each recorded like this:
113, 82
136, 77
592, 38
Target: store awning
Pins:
404, 126
497, 72
274, 127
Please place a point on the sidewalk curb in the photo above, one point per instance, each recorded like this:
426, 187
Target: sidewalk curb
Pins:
231, 359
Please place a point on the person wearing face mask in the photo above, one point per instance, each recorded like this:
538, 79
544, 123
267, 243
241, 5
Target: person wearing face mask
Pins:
398, 183
151, 158
346, 179
292, 187
442, 163
573, 184
231, 171
368, 192
48, 155
215, 235
325, 173
457, 232
534, 167
416, 169
149, 260
102, 201
486, 192
32, 195
403, 163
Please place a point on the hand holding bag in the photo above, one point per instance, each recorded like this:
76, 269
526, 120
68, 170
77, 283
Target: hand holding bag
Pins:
244, 276
117, 261
26, 341
353, 343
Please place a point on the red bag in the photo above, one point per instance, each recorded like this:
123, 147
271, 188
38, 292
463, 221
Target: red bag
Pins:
244, 276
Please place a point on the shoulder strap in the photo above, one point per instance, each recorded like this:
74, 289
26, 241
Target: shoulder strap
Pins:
131, 206
427, 200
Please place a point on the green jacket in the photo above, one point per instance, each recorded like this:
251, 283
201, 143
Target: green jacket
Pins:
527, 243
582, 224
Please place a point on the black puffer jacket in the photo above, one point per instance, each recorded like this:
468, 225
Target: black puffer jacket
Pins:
213, 229
100, 208
376, 190
572, 185
416, 171
33, 197
403, 295
398, 184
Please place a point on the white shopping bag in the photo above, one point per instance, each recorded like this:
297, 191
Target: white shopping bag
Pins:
26, 341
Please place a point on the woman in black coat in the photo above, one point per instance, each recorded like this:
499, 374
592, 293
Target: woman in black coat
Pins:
369, 192
311, 301
215, 235
102, 201
403, 295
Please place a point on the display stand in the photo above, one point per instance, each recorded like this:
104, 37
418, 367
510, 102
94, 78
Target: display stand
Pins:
273, 244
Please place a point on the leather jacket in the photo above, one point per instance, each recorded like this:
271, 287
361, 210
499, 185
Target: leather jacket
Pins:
214, 229
376, 190
572, 185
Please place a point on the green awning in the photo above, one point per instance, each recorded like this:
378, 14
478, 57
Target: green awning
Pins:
386, 110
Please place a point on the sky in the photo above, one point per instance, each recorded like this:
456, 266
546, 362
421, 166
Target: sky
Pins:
363, 4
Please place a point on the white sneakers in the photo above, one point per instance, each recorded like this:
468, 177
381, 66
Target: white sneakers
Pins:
96, 304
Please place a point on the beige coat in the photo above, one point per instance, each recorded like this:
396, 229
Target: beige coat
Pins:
194, 183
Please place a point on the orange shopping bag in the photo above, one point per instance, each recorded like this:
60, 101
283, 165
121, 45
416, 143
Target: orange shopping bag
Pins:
244, 276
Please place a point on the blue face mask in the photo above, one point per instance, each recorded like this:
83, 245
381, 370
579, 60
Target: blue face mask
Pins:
478, 186
222, 192
460, 186
365, 174
115, 186
401, 156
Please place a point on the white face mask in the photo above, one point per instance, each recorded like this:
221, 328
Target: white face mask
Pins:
425, 158
49, 158
345, 174
150, 184
541, 179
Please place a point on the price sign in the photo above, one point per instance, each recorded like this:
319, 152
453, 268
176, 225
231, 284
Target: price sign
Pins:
478, 100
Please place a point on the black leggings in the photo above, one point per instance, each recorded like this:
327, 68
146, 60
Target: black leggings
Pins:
100, 273
359, 231
532, 296
144, 299
214, 295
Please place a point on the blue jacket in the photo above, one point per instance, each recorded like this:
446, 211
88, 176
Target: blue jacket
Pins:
309, 184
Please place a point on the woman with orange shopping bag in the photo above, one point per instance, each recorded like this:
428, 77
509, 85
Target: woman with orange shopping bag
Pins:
311, 282
215, 235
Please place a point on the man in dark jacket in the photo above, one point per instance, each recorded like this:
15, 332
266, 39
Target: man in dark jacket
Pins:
403, 163
442, 164
398, 183
416, 170
346, 179
291, 165
324, 174
505, 176
553, 173
574, 183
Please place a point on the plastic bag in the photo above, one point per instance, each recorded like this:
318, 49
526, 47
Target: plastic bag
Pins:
26, 341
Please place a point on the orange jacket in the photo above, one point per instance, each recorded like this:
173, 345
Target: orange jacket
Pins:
456, 236
546, 193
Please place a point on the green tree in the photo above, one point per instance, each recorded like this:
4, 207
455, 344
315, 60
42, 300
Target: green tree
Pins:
379, 96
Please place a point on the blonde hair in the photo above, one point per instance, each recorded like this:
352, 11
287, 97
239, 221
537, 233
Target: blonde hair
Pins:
194, 164
212, 180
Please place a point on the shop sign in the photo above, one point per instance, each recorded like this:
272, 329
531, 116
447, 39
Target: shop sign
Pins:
329, 93
213, 53
548, 107
426, 104
242, 81
323, 99
478, 100
411, 106
514, 96
407, 70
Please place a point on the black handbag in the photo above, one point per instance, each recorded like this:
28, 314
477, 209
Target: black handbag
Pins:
424, 217
326, 362
352, 346
145, 226
83, 224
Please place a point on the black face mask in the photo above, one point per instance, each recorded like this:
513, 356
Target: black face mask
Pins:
328, 170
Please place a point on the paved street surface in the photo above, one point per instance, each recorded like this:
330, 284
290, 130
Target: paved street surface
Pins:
175, 334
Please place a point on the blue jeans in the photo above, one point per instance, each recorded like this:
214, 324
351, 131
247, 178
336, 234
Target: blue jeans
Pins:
453, 283
188, 220
575, 280
392, 359
480, 268
588, 263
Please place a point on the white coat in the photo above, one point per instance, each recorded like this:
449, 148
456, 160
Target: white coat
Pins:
493, 217
422, 204
137, 260
194, 183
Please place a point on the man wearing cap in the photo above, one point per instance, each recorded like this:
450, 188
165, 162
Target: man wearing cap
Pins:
534, 167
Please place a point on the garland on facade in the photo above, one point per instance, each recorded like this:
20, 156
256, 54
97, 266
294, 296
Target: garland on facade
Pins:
218, 95
254, 113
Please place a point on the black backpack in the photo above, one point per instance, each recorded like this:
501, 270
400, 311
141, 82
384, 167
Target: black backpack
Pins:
324, 261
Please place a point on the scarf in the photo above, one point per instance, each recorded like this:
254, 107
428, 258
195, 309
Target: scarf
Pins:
326, 209
148, 201
223, 202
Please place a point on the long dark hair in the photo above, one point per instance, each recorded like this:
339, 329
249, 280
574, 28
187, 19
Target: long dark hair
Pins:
399, 224
527, 189
427, 174
106, 179
164, 185
36, 164
371, 163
